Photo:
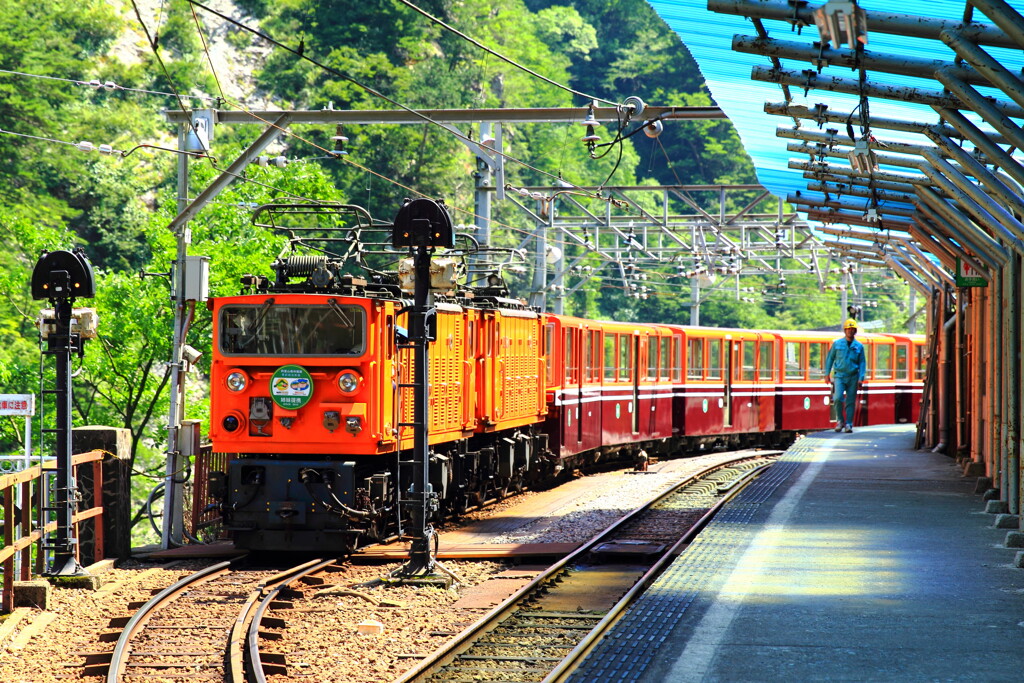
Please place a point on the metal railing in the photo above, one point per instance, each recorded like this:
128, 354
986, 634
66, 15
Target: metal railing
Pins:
19, 533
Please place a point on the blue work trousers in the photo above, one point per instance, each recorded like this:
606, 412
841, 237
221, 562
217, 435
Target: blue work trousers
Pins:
844, 395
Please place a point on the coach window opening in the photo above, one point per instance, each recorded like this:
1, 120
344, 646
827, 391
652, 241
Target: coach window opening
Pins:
901, 362
549, 353
695, 360
883, 361
765, 366
795, 360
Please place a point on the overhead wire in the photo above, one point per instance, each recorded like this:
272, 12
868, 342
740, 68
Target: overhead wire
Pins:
86, 146
301, 54
332, 154
502, 57
104, 85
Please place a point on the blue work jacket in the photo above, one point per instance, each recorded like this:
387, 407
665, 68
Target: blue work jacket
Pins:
847, 359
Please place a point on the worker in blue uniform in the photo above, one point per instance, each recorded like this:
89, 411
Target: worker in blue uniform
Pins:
847, 363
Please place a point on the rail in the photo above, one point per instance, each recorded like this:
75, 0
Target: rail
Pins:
529, 600
18, 532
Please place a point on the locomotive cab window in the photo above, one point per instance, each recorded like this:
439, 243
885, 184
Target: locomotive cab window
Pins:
279, 330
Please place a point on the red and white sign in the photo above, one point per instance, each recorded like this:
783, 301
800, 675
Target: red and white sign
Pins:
17, 404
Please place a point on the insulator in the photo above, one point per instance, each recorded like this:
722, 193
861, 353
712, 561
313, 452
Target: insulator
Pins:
106, 149
339, 141
299, 266
654, 129
85, 146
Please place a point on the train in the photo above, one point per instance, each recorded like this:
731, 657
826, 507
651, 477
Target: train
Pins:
311, 395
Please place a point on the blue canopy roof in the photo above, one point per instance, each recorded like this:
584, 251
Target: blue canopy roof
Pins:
709, 36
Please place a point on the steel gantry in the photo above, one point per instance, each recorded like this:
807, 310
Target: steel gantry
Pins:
905, 136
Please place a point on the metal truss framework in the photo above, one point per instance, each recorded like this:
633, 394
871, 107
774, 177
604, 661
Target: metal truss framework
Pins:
954, 202
692, 232
920, 196
708, 235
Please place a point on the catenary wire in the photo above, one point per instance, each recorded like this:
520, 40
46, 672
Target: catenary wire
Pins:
502, 57
426, 119
106, 85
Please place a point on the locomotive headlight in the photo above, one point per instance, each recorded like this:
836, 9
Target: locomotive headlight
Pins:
349, 382
236, 380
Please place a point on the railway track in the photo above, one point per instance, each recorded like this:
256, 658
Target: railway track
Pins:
546, 628
205, 627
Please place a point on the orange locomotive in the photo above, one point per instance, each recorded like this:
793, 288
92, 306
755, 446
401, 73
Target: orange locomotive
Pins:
312, 395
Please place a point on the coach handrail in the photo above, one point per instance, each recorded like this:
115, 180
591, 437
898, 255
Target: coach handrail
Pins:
13, 521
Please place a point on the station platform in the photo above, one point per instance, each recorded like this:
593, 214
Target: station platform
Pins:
855, 558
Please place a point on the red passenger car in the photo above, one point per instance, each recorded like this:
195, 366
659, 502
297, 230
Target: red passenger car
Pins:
729, 386
804, 398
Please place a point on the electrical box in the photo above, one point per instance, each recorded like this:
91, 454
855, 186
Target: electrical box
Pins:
188, 438
197, 278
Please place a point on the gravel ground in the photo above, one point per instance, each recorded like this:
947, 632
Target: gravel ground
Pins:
323, 640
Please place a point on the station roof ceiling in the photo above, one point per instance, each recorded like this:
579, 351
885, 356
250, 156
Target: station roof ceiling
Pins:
891, 79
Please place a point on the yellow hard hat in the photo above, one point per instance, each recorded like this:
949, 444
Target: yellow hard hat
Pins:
850, 322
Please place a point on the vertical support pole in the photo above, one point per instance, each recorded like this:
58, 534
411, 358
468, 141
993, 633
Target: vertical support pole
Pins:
8, 564
911, 306
482, 198
173, 521
60, 346
1013, 386
844, 298
538, 295
1001, 352
694, 302
26, 526
995, 400
961, 356
421, 555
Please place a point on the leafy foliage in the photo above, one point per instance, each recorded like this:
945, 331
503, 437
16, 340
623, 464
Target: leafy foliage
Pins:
52, 196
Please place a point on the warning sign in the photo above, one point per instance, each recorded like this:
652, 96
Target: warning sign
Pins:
17, 404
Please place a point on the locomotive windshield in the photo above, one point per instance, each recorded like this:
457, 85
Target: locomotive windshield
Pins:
276, 330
